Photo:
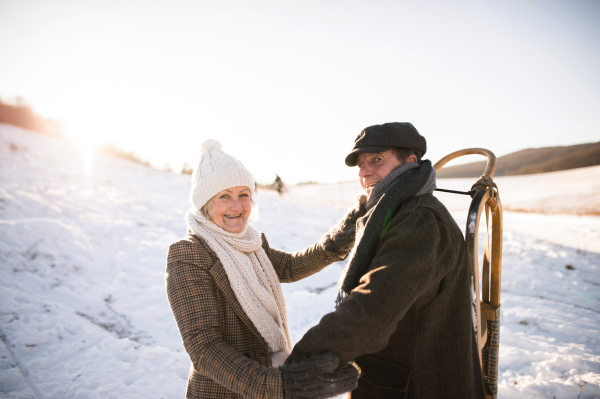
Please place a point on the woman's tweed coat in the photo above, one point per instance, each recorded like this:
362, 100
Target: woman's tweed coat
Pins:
230, 359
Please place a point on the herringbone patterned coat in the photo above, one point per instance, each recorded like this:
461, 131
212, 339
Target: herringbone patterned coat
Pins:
230, 359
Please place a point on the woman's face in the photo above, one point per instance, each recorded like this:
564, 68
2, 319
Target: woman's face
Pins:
231, 209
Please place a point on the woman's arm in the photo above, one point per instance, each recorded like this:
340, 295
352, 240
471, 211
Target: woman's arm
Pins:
333, 247
192, 295
295, 266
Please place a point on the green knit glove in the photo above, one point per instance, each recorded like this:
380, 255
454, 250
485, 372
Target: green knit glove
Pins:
340, 239
318, 377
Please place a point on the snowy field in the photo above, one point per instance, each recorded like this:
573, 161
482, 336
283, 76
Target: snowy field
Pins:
83, 310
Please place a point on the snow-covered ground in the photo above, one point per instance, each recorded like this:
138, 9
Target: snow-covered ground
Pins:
83, 312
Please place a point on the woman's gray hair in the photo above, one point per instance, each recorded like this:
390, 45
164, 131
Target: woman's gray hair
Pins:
208, 207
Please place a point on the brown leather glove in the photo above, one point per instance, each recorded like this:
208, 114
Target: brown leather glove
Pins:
340, 239
318, 377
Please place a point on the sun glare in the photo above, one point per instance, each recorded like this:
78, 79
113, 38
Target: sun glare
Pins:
87, 152
83, 134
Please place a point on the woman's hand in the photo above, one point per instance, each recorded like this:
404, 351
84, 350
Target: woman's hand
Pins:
340, 239
318, 377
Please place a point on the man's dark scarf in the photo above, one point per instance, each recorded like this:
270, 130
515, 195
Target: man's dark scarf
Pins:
374, 224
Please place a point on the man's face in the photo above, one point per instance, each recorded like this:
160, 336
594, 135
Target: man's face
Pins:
373, 167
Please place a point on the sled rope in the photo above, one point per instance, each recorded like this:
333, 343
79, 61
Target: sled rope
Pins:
454, 191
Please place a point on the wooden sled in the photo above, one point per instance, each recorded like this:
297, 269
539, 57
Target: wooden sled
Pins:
487, 283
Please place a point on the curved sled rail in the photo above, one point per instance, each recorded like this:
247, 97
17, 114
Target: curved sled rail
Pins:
489, 169
487, 283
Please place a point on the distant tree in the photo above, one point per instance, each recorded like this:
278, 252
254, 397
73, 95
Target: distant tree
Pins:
20, 114
187, 169
114, 151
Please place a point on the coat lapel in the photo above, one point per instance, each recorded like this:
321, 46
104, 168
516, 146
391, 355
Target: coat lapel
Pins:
217, 271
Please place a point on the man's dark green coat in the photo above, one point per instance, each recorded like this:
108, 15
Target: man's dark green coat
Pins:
409, 323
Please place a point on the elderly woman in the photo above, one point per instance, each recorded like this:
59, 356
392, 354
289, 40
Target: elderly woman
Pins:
223, 283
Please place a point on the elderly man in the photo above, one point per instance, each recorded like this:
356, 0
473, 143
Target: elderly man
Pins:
404, 310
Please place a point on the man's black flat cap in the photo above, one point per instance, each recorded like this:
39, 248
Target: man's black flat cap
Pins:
379, 138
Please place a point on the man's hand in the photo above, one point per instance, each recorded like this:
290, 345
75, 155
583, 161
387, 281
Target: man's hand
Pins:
318, 377
296, 356
340, 239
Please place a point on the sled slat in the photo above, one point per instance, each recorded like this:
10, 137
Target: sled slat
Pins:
496, 267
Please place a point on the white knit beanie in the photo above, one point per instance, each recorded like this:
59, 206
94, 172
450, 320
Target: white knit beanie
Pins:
216, 172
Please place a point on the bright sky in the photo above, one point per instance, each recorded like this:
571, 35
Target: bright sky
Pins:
286, 86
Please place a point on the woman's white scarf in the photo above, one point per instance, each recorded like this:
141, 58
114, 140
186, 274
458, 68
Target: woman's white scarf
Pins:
252, 278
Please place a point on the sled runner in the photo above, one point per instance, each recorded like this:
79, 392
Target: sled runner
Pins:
487, 283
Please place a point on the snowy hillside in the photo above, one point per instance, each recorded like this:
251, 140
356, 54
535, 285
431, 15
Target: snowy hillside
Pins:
83, 312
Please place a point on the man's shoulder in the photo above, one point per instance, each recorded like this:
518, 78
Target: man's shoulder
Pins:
422, 204
432, 204
425, 219
428, 208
